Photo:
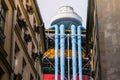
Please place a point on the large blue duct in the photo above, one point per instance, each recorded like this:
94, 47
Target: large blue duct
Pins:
62, 50
73, 37
56, 50
79, 51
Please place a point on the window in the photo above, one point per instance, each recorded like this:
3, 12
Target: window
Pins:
21, 21
3, 10
27, 38
2, 22
31, 77
29, 9
16, 60
1, 73
18, 76
17, 49
23, 63
27, 1
19, 14
34, 21
33, 46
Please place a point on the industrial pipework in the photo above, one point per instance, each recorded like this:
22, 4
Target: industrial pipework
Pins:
79, 52
67, 19
62, 51
73, 37
56, 50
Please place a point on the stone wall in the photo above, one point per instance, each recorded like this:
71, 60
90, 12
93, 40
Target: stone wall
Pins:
108, 12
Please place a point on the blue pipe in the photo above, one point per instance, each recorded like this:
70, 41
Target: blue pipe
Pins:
73, 32
56, 50
62, 51
79, 52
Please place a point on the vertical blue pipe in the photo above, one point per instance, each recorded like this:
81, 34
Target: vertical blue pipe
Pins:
56, 50
73, 33
62, 50
79, 52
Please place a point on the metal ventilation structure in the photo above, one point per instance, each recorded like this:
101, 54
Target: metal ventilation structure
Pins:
67, 36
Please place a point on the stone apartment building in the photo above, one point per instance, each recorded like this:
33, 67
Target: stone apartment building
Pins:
21, 40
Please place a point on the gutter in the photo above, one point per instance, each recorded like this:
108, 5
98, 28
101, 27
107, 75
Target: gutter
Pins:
12, 45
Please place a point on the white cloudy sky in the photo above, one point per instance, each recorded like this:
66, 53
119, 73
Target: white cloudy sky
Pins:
49, 8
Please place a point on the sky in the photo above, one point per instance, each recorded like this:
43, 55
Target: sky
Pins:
49, 8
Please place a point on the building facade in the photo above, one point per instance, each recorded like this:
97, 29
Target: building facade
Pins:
6, 12
21, 40
103, 39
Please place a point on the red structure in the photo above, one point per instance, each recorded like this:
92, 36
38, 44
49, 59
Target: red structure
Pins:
52, 77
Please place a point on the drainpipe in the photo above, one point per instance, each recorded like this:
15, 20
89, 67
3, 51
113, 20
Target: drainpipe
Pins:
73, 37
12, 45
79, 52
62, 51
56, 50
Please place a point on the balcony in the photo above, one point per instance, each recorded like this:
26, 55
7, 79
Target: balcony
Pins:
27, 38
22, 23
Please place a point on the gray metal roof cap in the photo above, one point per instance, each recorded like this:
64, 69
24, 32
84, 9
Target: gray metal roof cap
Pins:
66, 13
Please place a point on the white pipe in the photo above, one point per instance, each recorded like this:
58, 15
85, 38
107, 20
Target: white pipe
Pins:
68, 58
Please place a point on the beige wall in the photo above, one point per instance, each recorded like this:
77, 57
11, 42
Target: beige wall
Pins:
7, 29
108, 23
5, 63
25, 50
108, 40
19, 61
